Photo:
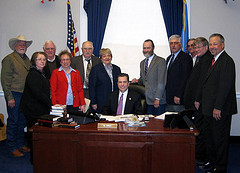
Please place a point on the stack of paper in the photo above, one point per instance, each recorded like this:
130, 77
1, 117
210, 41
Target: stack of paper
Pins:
58, 110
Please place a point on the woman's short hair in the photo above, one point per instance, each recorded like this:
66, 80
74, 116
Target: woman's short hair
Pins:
35, 55
105, 51
64, 52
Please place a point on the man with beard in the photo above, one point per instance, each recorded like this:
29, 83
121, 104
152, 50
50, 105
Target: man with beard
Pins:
153, 77
15, 67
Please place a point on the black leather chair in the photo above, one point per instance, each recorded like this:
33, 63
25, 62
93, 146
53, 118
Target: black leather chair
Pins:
140, 89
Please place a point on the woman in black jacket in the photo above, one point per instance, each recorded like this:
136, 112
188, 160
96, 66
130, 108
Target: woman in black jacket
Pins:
36, 95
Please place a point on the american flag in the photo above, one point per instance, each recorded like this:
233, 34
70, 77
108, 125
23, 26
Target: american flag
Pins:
72, 43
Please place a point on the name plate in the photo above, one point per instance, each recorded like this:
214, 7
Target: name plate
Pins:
108, 125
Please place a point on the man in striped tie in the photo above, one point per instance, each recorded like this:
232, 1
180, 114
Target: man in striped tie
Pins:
153, 76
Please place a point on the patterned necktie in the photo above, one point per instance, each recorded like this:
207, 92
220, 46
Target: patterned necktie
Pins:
87, 72
146, 66
120, 106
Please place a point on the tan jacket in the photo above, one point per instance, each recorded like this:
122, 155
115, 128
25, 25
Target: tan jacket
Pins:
14, 72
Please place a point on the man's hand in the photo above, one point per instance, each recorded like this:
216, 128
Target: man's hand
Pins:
94, 107
177, 100
156, 103
11, 103
197, 105
216, 114
134, 80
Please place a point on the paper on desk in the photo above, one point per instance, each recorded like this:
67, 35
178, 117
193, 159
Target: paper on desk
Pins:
118, 118
162, 116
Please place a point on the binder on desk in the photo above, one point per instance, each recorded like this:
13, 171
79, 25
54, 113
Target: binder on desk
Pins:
182, 120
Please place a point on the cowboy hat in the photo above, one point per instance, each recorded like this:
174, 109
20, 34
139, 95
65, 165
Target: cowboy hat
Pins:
13, 41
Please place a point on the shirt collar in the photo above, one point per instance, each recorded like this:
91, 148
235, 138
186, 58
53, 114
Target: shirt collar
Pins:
71, 69
85, 59
51, 60
106, 67
125, 92
176, 54
217, 56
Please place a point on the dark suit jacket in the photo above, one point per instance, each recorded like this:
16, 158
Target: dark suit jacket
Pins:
100, 84
132, 106
77, 63
46, 69
218, 87
177, 76
194, 82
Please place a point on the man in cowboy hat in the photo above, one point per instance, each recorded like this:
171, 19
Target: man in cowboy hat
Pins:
15, 68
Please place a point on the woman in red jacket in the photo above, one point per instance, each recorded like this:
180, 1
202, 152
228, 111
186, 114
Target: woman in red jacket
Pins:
66, 84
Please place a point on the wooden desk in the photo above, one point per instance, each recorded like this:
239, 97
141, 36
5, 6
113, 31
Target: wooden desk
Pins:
150, 149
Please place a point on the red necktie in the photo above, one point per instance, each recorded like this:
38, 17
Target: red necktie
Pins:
213, 61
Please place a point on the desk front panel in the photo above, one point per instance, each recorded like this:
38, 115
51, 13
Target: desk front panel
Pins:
91, 150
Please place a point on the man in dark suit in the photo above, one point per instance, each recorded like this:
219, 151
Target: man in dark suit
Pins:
131, 101
153, 77
191, 90
217, 99
193, 82
84, 63
191, 49
179, 66
52, 60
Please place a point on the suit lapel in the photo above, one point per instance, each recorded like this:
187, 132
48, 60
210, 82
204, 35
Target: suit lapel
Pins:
82, 72
128, 102
102, 68
175, 60
151, 65
63, 75
115, 104
214, 66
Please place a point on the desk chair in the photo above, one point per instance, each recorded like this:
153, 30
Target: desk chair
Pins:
140, 89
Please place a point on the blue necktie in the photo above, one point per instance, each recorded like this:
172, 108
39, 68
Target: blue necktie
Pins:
146, 66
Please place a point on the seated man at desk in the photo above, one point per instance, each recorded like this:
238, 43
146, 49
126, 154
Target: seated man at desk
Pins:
124, 100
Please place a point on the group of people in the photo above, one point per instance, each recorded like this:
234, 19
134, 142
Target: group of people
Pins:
202, 80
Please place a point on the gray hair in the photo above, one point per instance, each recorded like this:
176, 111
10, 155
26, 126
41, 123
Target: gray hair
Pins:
48, 41
175, 36
201, 40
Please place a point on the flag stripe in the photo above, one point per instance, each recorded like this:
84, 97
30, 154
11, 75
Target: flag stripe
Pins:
72, 42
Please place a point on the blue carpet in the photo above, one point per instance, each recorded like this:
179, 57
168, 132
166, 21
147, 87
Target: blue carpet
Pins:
10, 164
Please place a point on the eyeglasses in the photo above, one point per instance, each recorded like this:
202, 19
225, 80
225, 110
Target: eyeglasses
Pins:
40, 59
191, 45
